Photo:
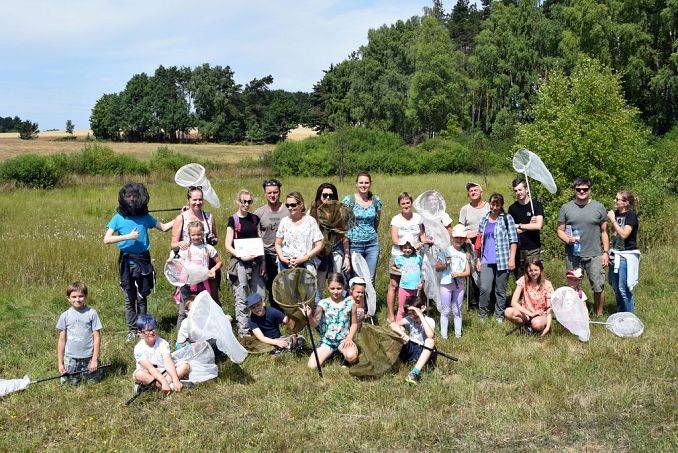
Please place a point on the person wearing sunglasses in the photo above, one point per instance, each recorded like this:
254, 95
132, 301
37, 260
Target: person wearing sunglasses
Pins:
582, 226
270, 215
244, 272
298, 239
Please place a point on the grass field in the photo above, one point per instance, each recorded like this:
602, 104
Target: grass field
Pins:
505, 393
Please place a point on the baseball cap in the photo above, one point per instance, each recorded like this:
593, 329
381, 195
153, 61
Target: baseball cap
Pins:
574, 273
356, 281
459, 231
472, 184
252, 300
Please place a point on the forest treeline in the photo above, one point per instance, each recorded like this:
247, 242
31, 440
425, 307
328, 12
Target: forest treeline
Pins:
465, 70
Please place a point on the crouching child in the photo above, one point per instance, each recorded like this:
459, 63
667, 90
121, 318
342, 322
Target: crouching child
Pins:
154, 365
417, 331
79, 338
264, 323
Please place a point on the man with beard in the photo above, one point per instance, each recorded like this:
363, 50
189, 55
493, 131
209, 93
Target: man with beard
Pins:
128, 229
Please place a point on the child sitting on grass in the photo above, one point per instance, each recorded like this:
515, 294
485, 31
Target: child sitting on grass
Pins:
531, 300
264, 323
79, 338
356, 287
154, 361
417, 331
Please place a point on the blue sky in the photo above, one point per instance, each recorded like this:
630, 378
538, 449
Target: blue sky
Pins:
60, 57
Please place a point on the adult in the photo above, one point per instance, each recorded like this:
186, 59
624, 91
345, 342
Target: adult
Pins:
405, 224
244, 272
496, 247
334, 256
366, 207
180, 237
470, 216
624, 252
298, 239
270, 215
529, 223
582, 226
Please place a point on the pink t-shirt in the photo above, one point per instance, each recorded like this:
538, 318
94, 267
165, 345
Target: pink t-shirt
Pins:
535, 299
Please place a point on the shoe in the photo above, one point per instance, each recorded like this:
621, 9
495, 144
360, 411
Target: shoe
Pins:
131, 336
413, 378
301, 343
499, 320
137, 389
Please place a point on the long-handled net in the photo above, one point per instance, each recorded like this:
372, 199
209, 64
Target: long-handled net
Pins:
528, 163
624, 324
571, 312
8, 386
180, 272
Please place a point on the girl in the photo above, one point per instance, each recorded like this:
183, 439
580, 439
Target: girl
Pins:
454, 264
573, 280
624, 253
244, 272
198, 253
417, 331
408, 265
535, 292
367, 209
356, 287
337, 319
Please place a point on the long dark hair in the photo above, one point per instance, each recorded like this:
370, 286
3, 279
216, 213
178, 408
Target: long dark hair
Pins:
500, 198
318, 197
364, 173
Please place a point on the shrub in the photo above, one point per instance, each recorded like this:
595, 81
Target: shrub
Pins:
31, 170
101, 160
166, 159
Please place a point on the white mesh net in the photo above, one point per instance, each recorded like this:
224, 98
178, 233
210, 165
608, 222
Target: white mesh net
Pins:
200, 357
625, 324
571, 312
527, 162
361, 269
179, 272
8, 386
194, 175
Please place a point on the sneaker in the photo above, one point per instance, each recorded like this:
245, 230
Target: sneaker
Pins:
137, 388
413, 378
131, 336
301, 343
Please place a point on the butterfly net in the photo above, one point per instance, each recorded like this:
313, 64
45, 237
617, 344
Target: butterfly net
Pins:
200, 357
527, 162
180, 272
334, 219
195, 175
361, 269
625, 324
8, 386
379, 349
571, 312
291, 288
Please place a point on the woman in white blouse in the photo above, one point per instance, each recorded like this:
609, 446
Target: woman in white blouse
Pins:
298, 239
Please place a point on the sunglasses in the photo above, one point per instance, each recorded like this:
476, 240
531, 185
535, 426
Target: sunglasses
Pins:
194, 187
582, 189
272, 182
291, 205
248, 202
326, 195
149, 332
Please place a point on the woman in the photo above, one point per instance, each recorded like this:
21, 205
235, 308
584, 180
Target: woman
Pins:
298, 239
367, 210
496, 244
244, 272
334, 256
405, 224
180, 237
624, 253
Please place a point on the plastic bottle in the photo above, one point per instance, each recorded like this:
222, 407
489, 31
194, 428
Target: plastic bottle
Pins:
576, 247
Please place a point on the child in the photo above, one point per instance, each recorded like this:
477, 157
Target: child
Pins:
573, 280
198, 253
409, 266
535, 292
183, 335
417, 331
128, 229
153, 359
337, 319
455, 266
357, 287
79, 338
264, 323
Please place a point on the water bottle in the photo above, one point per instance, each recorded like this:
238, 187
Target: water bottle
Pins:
576, 247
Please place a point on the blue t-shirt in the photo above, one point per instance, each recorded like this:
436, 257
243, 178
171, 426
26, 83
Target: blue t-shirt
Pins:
363, 229
410, 270
124, 225
489, 256
269, 324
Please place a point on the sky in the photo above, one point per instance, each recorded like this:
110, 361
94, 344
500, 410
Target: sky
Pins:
58, 58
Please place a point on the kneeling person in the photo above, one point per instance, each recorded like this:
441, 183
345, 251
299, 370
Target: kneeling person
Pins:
417, 331
264, 323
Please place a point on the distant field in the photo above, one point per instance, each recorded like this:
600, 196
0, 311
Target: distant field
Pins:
47, 143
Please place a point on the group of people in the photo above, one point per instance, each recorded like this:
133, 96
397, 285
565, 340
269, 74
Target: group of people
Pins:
486, 245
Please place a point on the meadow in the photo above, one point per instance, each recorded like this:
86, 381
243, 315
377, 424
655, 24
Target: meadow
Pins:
505, 393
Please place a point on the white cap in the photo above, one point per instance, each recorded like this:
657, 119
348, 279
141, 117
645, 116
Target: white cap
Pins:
459, 231
356, 281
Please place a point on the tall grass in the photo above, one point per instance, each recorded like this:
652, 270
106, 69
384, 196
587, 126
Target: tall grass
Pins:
506, 393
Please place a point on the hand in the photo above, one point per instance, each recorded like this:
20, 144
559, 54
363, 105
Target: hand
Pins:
211, 273
62, 369
478, 265
611, 216
93, 365
519, 230
183, 245
512, 264
229, 318
279, 342
606, 259
405, 337
346, 343
166, 389
347, 264
571, 240
133, 235
178, 386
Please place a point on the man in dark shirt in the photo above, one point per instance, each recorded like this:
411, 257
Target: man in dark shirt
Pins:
528, 224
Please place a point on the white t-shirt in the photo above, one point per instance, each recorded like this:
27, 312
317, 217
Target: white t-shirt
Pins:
151, 353
406, 227
470, 217
457, 264
297, 240
199, 254
182, 335
416, 331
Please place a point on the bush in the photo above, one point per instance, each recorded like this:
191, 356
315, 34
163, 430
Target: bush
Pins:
101, 160
166, 159
31, 170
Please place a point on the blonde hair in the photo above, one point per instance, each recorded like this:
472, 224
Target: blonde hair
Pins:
299, 199
195, 224
242, 192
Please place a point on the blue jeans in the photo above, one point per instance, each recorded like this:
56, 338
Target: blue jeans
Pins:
621, 290
369, 251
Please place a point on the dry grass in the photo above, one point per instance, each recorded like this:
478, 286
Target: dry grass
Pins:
300, 133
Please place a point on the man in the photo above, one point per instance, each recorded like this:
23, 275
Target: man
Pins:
528, 224
470, 216
582, 226
269, 218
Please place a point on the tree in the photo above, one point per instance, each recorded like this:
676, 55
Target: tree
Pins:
69, 127
436, 93
28, 130
106, 120
329, 99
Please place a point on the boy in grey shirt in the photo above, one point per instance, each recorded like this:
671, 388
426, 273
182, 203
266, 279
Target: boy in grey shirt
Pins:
79, 338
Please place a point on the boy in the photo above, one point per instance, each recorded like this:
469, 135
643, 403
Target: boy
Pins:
154, 361
128, 229
421, 334
264, 323
573, 280
79, 338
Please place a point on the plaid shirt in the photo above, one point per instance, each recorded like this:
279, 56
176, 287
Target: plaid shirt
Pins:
502, 238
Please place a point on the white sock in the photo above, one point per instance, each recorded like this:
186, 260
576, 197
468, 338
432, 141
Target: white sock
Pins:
457, 326
443, 326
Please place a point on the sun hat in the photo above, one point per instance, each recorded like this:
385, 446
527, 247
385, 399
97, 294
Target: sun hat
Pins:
356, 281
574, 273
473, 184
459, 231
